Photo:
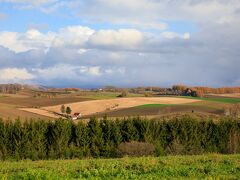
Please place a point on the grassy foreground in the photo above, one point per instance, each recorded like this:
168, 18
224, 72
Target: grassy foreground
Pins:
211, 166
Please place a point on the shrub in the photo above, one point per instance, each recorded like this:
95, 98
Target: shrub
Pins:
134, 148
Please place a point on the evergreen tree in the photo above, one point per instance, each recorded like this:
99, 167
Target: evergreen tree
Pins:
116, 133
129, 132
82, 140
3, 141
62, 136
96, 137
36, 140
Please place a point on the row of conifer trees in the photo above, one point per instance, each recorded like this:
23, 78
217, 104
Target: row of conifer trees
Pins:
39, 139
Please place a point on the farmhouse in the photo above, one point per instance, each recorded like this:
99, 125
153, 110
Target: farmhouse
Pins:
76, 116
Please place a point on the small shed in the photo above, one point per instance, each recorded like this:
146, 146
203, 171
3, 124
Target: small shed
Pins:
76, 116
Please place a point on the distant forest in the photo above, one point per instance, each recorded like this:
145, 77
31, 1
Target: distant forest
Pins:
174, 90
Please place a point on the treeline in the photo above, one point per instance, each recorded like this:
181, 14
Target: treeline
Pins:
10, 88
101, 138
176, 90
222, 90
208, 90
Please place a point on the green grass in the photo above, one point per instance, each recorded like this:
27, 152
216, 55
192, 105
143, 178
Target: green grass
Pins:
171, 167
3, 96
155, 105
179, 105
107, 95
216, 99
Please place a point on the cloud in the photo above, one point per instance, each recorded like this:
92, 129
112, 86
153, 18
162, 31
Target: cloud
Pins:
140, 14
125, 38
84, 38
35, 2
21, 42
15, 75
153, 14
172, 35
87, 57
34, 39
138, 48
72, 36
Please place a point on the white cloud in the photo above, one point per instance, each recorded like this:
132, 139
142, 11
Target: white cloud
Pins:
186, 36
15, 75
21, 42
153, 14
140, 14
73, 36
172, 35
71, 72
95, 71
125, 38
34, 39
82, 51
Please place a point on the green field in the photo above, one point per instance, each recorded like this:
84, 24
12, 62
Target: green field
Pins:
106, 95
189, 105
155, 105
216, 99
212, 166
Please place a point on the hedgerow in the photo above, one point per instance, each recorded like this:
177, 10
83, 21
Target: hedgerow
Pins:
64, 139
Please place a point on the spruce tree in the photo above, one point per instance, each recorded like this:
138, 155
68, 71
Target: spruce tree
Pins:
61, 137
96, 137
3, 141
82, 140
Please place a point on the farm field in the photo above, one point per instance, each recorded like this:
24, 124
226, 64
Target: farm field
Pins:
12, 105
104, 95
9, 111
211, 166
231, 95
98, 106
216, 99
26, 106
163, 109
143, 106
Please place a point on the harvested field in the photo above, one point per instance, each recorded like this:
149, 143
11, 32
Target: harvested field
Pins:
36, 102
13, 106
13, 95
10, 112
41, 112
97, 106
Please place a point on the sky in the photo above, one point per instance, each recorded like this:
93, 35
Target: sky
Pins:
127, 43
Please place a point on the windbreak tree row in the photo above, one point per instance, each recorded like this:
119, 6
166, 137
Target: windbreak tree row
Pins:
101, 138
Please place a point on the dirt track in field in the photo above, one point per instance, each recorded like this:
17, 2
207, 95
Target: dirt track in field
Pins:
97, 106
